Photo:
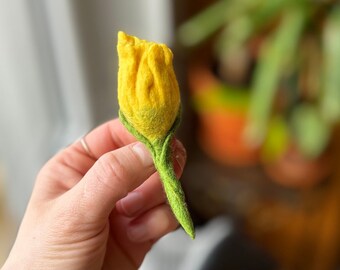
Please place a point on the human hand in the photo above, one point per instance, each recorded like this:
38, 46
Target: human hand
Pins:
100, 207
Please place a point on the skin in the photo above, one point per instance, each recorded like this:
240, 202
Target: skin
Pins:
98, 210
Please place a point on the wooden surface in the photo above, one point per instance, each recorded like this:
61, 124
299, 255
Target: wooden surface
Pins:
300, 229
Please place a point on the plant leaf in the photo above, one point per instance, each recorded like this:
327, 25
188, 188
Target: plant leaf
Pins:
330, 102
277, 54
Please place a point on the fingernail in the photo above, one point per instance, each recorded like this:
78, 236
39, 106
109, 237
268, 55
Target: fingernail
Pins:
180, 154
137, 232
142, 152
132, 203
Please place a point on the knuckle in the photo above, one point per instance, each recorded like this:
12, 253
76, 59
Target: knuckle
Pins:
110, 171
66, 222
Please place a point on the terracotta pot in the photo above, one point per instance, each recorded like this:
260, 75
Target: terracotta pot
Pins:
221, 137
221, 127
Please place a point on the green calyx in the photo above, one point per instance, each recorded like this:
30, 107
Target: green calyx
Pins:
161, 154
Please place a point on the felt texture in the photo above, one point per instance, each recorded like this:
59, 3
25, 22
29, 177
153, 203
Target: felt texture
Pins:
148, 91
149, 101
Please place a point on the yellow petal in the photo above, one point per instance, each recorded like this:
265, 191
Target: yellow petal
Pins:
148, 92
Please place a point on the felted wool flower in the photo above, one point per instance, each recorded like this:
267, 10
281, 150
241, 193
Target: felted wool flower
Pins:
149, 100
148, 92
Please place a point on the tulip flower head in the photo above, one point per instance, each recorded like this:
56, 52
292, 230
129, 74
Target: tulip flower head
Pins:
148, 91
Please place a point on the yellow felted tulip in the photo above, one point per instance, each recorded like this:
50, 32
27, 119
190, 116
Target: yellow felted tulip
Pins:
148, 92
149, 101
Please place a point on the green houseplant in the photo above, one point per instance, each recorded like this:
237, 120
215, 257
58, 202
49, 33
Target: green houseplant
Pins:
283, 56
277, 63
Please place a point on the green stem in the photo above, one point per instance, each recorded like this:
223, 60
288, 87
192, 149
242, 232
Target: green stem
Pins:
161, 153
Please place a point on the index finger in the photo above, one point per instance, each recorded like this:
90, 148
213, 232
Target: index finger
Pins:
105, 138
69, 166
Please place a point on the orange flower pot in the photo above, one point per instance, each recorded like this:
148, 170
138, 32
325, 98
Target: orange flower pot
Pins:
221, 124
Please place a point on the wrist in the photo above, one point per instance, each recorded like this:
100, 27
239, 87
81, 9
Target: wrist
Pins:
10, 264
20, 260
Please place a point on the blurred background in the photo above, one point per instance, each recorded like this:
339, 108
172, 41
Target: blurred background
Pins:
260, 86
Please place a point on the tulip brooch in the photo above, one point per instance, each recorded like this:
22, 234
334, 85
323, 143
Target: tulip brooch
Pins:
149, 102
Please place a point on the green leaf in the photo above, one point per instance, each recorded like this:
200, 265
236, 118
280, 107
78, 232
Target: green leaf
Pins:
310, 131
222, 97
204, 24
277, 55
172, 186
330, 102
277, 139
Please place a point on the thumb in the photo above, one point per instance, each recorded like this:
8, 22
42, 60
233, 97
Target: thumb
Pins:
110, 179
